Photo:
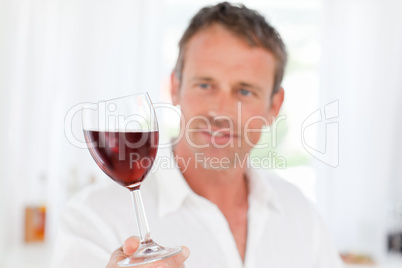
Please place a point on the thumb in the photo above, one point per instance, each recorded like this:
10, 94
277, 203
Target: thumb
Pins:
129, 247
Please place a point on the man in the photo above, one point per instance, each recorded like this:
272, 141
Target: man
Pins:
227, 82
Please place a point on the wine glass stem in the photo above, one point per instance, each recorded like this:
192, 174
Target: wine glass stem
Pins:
142, 223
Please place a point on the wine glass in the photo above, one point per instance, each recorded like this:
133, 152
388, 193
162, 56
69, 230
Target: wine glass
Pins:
122, 137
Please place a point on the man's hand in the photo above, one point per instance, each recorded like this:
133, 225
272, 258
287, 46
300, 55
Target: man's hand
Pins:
131, 245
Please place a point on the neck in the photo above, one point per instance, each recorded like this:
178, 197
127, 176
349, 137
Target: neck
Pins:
227, 187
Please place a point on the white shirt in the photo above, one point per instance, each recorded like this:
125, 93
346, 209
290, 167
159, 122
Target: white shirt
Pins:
284, 230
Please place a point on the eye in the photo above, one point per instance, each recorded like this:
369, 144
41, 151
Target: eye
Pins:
204, 86
245, 92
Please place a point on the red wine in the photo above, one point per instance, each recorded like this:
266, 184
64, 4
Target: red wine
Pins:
126, 157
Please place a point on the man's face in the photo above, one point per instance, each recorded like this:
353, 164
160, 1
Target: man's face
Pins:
225, 94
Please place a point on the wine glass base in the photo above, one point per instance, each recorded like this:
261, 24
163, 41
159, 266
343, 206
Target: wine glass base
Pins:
149, 252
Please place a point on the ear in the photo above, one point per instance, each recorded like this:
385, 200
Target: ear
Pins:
276, 104
174, 88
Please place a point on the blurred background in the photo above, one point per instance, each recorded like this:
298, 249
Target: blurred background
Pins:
337, 139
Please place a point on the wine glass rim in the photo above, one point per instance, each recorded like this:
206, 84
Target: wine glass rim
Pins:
144, 94
126, 96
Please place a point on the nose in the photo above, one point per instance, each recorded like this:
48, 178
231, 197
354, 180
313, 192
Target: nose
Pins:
223, 104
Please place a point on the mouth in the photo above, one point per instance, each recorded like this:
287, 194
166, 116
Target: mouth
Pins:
218, 136
218, 133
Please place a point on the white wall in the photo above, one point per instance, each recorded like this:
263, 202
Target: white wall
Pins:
361, 67
55, 54
3, 145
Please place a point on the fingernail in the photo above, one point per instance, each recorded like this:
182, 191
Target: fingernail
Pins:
186, 252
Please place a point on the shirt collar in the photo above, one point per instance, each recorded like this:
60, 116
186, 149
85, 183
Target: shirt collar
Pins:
173, 189
261, 189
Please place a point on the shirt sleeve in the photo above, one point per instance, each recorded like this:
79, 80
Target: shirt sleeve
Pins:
84, 239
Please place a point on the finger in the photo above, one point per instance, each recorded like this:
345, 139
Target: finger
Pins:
130, 245
117, 255
175, 261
